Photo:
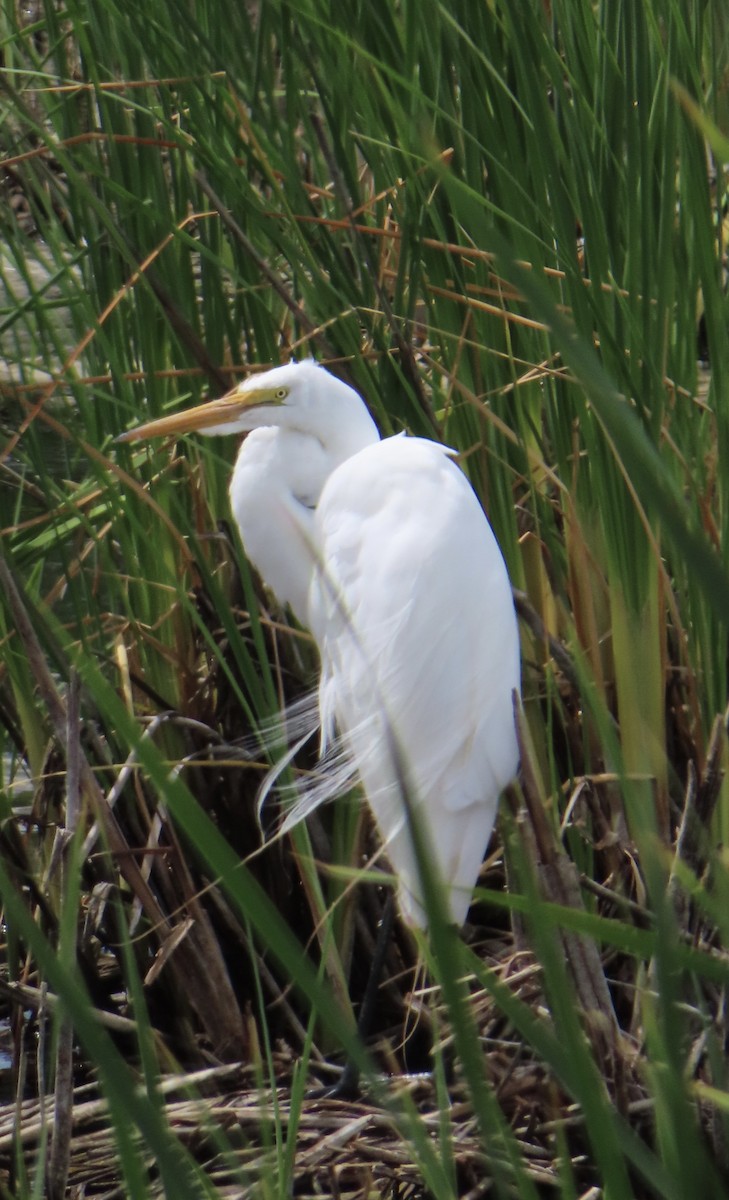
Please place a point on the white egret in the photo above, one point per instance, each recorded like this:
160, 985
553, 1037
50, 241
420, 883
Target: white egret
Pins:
382, 550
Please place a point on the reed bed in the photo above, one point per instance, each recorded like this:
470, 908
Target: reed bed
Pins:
505, 225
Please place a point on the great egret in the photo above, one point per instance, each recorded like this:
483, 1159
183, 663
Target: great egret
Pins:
382, 549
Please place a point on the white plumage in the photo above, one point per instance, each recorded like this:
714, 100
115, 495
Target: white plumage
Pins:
412, 612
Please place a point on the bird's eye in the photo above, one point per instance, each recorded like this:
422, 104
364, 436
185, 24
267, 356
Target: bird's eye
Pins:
281, 393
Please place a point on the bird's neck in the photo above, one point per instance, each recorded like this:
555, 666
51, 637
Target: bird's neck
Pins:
275, 487
343, 441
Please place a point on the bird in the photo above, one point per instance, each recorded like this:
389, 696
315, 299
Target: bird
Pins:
381, 549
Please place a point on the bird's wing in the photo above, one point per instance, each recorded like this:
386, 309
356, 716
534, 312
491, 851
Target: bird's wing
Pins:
411, 608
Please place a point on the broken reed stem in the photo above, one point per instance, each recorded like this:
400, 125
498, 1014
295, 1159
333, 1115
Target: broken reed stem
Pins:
63, 1086
558, 883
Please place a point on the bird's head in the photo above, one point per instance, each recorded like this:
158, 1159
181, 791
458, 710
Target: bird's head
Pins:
301, 397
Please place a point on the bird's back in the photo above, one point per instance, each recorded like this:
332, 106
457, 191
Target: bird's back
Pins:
411, 608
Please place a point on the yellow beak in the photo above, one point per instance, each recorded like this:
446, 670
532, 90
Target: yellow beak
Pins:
209, 417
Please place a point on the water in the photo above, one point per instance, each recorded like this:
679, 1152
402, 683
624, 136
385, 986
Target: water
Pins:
33, 312
6, 1057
